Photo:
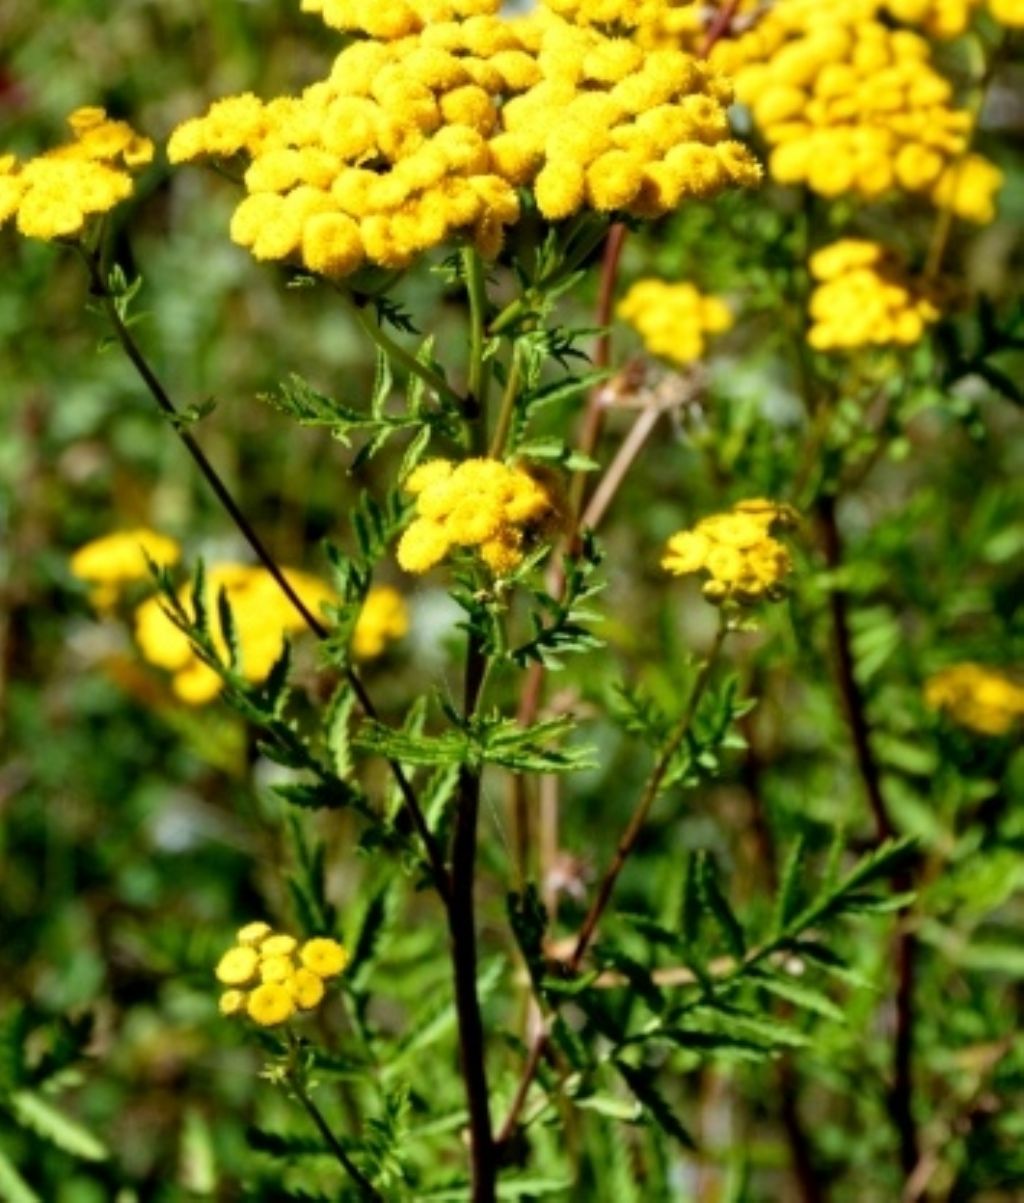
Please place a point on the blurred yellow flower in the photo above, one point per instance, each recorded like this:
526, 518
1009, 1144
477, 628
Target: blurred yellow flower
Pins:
120, 558
55, 194
324, 957
673, 319
383, 619
865, 297
976, 697
263, 617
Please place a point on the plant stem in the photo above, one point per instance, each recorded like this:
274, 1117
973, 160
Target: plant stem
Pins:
479, 376
625, 847
593, 417
163, 400
366, 1188
395, 351
462, 929
503, 425
647, 799
901, 1095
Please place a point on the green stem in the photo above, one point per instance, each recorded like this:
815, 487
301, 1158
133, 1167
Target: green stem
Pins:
479, 375
396, 352
503, 425
365, 1186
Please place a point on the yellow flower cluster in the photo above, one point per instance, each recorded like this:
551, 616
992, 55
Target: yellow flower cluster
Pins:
271, 976
118, 559
976, 697
424, 131
673, 319
745, 563
383, 619
949, 18
865, 298
55, 194
850, 104
263, 617
483, 504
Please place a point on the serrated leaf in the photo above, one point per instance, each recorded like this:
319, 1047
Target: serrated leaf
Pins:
371, 932
336, 730
716, 902
329, 793
47, 1122
626, 1110
801, 995
788, 899
639, 1081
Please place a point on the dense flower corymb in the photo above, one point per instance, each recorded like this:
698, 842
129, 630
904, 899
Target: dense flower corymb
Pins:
977, 697
271, 976
55, 194
864, 297
745, 563
497, 510
673, 319
851, 105
426, 129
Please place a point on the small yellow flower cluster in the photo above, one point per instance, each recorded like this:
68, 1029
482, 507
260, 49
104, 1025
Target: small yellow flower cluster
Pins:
745, 563
949, 18
55, 194
271, 976
395, 18
976, 697
865, 298
851, 105
263, 617
678, 23
482, 504
673, 319
120, 558
383, 619
424, 131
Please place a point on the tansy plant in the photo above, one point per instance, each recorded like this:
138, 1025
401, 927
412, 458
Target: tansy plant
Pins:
451, 185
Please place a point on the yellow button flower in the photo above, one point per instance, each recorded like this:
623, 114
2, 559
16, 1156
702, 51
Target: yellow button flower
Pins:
270, 1004
324, 957
238, 966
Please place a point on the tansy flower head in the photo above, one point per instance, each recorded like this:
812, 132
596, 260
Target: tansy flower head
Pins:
272, 976
977, 697
864, 297
483, 504
745, 563
324, 957
55, 194
673, 319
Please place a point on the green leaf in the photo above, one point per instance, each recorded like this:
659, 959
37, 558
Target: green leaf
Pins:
626, 1110
788, 899
437, 1020
329, 793
42, 1118
336, 730
14, 1188
639, 1081
716, 902
371, 932
801, 995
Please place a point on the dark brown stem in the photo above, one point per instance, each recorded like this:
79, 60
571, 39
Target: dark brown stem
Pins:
854, 703
901, 1095
462, 928
262, 553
